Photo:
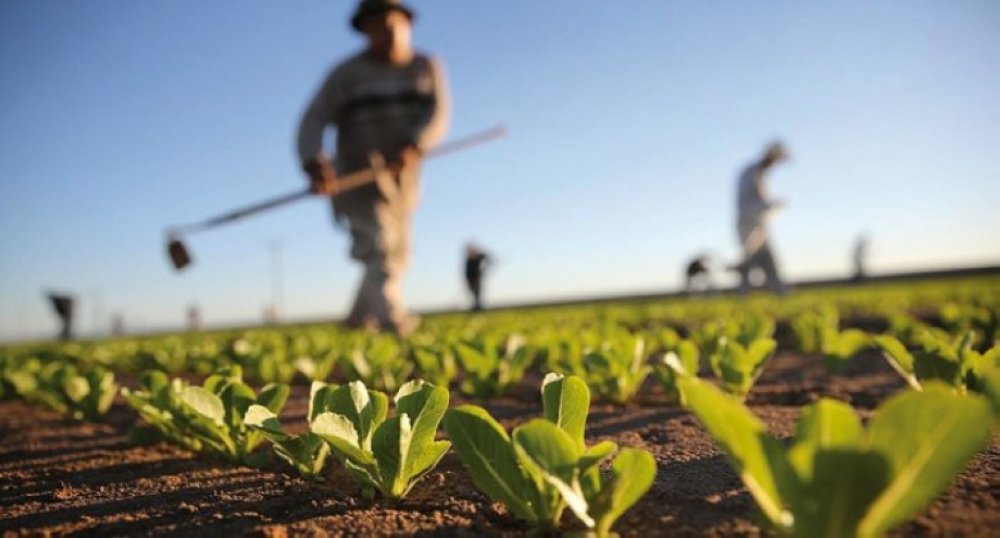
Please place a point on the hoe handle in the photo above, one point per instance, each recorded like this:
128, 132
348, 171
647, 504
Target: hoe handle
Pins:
344, 183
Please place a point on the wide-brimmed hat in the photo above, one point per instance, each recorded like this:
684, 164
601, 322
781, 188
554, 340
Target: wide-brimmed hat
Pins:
373, 7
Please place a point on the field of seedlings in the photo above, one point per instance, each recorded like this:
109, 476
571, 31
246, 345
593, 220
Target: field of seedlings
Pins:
854, 410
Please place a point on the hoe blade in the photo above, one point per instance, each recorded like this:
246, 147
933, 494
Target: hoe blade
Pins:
178, 254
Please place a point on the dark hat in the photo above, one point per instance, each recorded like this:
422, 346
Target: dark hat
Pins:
373, 7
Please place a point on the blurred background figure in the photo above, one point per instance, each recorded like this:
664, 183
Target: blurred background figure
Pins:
386, 101
194, 318
118, 324
860, 257
698, 275
754, 209
476, 263
62, 304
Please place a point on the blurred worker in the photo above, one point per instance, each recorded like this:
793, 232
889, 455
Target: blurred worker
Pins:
388, 103
697, 275
476, 263
860, 256
754, 209
63, 306
194, 318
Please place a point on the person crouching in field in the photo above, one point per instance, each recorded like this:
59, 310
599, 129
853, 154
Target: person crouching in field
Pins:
390, 103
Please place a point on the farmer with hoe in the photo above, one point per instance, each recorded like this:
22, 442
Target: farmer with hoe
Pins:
389, 105
755, 208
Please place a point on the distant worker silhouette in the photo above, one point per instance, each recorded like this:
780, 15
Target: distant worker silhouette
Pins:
63, 307
860, 258
476, 263
389, 103
755, 208
698, 275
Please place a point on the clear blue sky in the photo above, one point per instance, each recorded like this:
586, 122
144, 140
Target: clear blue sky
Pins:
629, 123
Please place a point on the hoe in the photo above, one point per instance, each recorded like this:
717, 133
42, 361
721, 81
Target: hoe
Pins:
180, 257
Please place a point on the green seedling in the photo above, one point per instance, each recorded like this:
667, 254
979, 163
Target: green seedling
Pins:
836, 478
544, 466
207, 417
388, 455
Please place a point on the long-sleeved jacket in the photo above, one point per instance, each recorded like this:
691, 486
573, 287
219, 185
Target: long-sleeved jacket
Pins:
376, 106
754, 208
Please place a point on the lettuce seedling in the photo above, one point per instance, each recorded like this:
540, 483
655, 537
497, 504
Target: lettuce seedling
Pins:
819, 332
738, 366
952, 362
491, 365
617, 368
837, 479
379, 362
744, 330
316, 366
686, 355
306, 452
263, 356
388, 455
436, 364
81, 392
209, 417
544, 466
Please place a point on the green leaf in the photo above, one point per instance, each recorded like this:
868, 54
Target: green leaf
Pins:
632, 474
899, 358
339, 431
566, 402
361, 406
596, 454
744, 439
391, 446
262, 419
204, 403
928, 437
76, 388
826, 424
273, 396
485, 449
425, 404
549, 454
842, 484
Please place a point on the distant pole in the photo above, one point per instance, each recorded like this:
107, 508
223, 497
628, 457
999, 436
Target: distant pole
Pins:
277, 280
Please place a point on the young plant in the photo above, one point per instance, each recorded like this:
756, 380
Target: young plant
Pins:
673, 348
837, 479
617, 368
85, 393
209, 417
744, 330
436, 364
379, 361
545, 466
952, 362
491, 365
306, 452
387, 455
738, 366
819, 332
316, 366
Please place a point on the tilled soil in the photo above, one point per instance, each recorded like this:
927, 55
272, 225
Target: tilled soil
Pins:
59, 476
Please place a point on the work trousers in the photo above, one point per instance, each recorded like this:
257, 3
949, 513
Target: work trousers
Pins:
757, 254
380, 240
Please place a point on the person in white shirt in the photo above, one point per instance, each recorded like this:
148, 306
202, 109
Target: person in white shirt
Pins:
754, 209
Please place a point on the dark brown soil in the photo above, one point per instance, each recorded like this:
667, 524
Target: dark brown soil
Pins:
59, 476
